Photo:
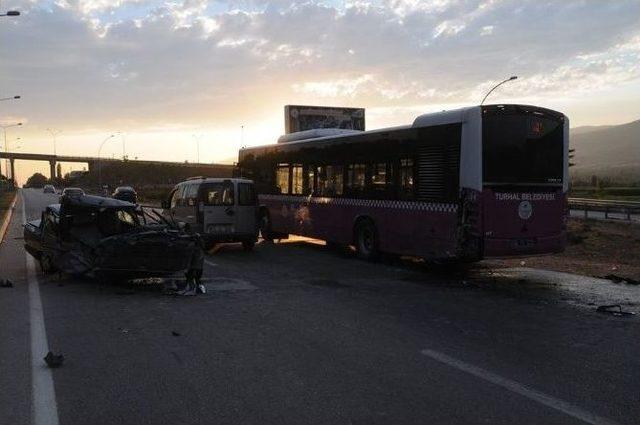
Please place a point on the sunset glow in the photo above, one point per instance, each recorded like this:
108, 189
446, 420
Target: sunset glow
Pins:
163, 74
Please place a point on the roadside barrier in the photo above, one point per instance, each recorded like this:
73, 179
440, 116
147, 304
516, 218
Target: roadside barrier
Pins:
6, 218
627, 208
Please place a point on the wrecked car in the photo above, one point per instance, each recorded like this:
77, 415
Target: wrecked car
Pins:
108, 238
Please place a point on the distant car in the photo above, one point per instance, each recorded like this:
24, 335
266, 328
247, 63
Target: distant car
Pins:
48, 188
125, 193
73, 191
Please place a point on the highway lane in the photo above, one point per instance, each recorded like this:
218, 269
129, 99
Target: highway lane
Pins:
296, 333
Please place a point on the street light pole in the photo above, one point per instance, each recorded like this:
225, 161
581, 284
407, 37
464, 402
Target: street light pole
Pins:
513, 77
124, 149
9, 98
100, 160
54, 133
197, 137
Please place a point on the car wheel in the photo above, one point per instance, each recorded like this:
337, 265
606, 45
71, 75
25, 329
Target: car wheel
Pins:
248, 245
366, 240
265, 228
46, 263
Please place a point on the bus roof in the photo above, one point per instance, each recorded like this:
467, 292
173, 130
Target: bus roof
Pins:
425, 120
215, 180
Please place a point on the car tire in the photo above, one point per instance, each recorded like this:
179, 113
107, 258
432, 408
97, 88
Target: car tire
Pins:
46, 264
265, 228
248, 245
366, 240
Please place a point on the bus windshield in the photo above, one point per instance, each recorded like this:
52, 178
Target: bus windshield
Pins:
522, 149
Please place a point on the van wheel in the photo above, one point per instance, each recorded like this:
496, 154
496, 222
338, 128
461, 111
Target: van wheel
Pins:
366, 240
265, 228
248, 245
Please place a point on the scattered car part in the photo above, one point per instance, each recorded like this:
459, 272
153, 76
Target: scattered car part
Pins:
54, 360
611, 309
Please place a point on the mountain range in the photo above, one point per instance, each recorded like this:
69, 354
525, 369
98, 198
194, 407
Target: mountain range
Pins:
611, 150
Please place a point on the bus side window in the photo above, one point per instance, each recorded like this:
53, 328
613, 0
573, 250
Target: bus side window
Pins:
296, 179
406, 178
334, 182
309, 182
321, 185
282, 178
356, 177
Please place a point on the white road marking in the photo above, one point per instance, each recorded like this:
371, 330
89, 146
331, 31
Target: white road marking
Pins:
43, 394
515, 387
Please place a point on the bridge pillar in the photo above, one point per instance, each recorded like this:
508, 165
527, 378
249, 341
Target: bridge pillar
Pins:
52, 169
13, 170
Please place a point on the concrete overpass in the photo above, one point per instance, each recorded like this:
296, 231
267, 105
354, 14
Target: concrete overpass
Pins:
92, 161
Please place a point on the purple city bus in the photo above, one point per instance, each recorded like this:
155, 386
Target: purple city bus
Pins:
460, 185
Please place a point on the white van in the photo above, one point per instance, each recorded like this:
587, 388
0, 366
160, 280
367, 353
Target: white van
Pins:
220, 209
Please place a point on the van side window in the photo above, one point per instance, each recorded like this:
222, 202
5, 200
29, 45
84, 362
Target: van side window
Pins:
217, 194
191, 194
246, 195
176, 197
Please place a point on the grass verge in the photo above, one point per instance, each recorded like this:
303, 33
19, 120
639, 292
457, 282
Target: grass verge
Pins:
595, 248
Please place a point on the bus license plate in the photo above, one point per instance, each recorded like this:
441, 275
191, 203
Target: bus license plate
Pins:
524, 243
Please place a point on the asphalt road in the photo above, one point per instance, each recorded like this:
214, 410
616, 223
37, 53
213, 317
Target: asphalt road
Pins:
294, 333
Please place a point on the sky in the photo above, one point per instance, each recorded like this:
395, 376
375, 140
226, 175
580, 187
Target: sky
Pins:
181, 80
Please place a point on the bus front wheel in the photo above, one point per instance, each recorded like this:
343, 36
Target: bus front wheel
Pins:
366, 240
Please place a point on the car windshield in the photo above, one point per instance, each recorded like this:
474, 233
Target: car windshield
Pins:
116, 221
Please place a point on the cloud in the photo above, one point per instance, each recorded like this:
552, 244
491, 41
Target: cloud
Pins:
137, 63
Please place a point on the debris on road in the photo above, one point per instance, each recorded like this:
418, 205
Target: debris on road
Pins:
111, 240
6, 283
175, 333
619, 279
54, 360
614, 309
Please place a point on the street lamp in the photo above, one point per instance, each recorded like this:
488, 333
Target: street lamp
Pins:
124, 147
197, 137
4, 130
11, 13
100, 160
513, 77
9, 98
54, 133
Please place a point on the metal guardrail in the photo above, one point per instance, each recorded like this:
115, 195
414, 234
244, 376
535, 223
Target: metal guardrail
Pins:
606, 206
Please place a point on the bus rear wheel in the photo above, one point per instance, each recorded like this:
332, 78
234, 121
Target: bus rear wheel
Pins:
366, 240
46, 264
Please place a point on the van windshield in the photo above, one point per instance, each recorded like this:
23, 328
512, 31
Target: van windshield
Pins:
217, 194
